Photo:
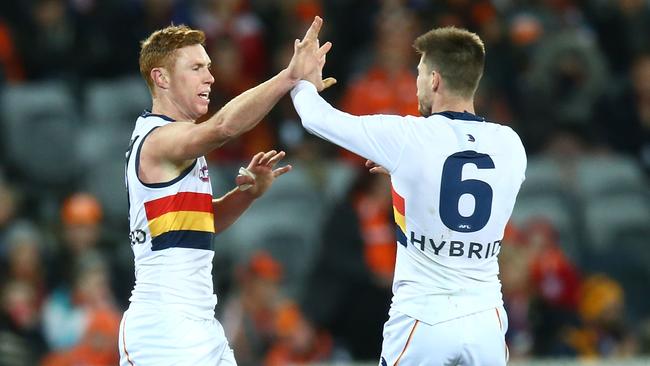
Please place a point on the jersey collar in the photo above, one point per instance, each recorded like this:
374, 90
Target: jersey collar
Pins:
465, 115
147, 113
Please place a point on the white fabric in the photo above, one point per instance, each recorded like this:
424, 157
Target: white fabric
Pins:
442, 271
471, 340
161, 338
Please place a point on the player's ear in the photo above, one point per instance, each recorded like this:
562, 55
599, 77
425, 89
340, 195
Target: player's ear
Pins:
160, 77
435, 80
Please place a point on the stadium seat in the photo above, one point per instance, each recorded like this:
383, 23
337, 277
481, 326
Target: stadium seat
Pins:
543, 176
40, 131
116, 101
608, 215
608, 175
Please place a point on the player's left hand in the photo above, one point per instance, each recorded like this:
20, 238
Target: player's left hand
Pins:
263, 173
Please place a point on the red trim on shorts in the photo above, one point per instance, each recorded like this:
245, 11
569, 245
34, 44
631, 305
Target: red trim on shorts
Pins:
407, 342
128, 358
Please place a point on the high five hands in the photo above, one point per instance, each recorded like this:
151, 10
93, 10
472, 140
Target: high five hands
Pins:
309, 58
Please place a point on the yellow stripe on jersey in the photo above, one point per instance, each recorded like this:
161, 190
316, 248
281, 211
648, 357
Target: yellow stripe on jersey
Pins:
399, 219
182, 220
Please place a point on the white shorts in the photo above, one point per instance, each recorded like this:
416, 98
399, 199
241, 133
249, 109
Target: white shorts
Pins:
167, 338
472, 340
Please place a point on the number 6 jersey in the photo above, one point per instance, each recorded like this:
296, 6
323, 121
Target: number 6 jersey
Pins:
455, 178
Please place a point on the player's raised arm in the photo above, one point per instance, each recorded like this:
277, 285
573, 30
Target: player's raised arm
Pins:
181, 142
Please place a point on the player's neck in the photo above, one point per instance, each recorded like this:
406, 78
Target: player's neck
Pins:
453, 104
167, 108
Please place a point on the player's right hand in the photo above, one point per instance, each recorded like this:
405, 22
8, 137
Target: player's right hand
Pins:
375, 168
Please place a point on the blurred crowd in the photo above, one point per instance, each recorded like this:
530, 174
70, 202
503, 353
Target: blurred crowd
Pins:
571, 77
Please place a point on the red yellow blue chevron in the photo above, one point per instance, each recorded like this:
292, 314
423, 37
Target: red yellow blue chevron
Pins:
185, 219
399, 212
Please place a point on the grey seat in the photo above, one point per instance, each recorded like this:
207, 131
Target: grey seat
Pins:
607, 215
543, 176
119, 100
608, 175
40, 131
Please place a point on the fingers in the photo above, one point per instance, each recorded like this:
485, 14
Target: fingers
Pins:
270, 158
256, 159
329, 82
274, 160
370, 164
312, 32
324, 49
279, 171
265, 158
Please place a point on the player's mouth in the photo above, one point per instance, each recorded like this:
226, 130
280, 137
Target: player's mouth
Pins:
205, 96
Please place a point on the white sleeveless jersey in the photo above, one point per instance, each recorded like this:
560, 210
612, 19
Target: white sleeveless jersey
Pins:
171, 231
454, 178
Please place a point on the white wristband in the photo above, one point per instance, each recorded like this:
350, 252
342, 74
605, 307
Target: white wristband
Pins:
248, 173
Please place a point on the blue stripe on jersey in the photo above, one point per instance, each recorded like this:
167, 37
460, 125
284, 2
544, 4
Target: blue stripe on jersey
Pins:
401, 237
148, 113
462, 115
183, 239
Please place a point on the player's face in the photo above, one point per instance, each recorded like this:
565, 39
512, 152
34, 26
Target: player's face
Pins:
190, 81
425, 88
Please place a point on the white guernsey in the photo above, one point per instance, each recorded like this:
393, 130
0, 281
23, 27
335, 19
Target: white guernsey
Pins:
455, 178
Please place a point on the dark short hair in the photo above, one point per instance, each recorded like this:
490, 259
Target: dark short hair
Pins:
457, 54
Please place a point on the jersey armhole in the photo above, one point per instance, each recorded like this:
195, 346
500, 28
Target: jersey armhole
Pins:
182, 175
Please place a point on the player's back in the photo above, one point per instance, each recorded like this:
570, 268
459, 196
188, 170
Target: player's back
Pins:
454, 188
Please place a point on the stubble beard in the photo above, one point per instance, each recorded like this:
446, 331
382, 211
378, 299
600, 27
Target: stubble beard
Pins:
424, 108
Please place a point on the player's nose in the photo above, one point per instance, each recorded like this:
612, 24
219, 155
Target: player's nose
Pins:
209, 78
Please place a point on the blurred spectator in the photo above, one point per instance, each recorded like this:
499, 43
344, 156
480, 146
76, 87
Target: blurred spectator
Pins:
624, 117
8, 208
388, 85
11, 67
47, 40
98, 345
233, 18
68, 312
556, 285
81, 219
622, 27
21, 340
249, 315
298, 342
603, 332
517, 292
24, 261
343, 291
568, 72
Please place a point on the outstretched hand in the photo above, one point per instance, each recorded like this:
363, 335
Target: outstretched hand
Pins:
309, 57
263, 173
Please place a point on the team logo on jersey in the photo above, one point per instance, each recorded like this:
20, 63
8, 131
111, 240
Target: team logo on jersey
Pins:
470, 138
203, 174
383, 362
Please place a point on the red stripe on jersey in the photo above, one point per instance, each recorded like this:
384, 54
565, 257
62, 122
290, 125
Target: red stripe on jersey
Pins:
398, 201
182, 201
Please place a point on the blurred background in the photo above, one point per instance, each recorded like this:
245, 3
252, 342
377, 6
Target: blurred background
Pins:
304, 276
